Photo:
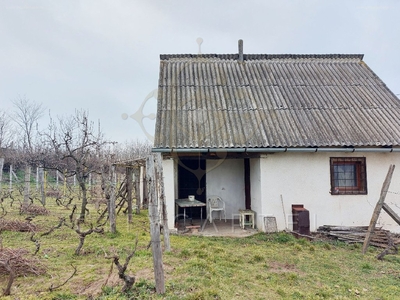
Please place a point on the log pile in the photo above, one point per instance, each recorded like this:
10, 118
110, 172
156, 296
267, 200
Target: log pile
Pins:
356, 234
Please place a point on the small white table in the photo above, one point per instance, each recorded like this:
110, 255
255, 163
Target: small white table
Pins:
184, 203
243, 218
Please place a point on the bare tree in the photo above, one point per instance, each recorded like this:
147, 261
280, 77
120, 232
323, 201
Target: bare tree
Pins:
76, 150
26, 115
5, 131
132, 150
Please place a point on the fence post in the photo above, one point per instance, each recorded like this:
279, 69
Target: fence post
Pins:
57, 179
11, 178
136, 188
129, 178
161, 196
27, 184
42, 185
155, 225
37, 178
112, 212
1, 173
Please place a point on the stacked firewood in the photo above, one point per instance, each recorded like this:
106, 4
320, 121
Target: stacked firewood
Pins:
356, 234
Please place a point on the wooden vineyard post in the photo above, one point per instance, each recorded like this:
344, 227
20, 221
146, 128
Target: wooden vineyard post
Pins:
161, 196
42, 185
57, 179
10, 178
1, 172
129, 187
155, 225
138, 191
378, 208
65, 183
112, 212
27, 184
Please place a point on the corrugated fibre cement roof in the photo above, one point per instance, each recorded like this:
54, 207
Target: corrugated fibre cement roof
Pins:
217, 101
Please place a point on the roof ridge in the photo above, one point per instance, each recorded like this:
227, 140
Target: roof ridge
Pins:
264, 56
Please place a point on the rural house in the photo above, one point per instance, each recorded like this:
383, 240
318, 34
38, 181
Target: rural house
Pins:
273, 133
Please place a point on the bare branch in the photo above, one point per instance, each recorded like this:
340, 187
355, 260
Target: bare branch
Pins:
83, 234
128, 279
61, 222
37, 244
11, 277
52, 288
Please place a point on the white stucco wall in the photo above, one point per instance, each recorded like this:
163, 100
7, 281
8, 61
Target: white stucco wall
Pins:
169, 189
301, 178
256, 190
304, 178
225, 178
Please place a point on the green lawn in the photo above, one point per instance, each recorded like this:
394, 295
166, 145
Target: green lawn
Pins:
262, 266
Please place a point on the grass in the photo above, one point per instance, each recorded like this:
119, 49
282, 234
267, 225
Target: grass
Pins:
276, 266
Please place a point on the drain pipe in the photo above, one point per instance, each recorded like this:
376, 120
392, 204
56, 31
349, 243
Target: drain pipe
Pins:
273, 150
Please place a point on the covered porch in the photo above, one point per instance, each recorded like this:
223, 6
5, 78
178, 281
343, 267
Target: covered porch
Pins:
231, 176
230, 228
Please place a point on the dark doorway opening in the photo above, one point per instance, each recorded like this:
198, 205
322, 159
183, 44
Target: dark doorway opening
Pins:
192, 181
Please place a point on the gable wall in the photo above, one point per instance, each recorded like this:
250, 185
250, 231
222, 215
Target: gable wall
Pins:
304, 178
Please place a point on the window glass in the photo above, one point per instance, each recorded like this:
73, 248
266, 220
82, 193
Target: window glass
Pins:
345, 175
348, 176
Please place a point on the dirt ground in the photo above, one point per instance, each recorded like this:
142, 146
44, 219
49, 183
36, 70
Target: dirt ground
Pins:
217, 228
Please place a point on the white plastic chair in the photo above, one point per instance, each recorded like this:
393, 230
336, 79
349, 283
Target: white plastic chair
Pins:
215, 203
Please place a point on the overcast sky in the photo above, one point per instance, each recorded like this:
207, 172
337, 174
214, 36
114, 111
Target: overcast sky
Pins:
103, 56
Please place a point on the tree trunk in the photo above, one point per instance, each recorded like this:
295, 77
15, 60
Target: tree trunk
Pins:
82, 185
11, 277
